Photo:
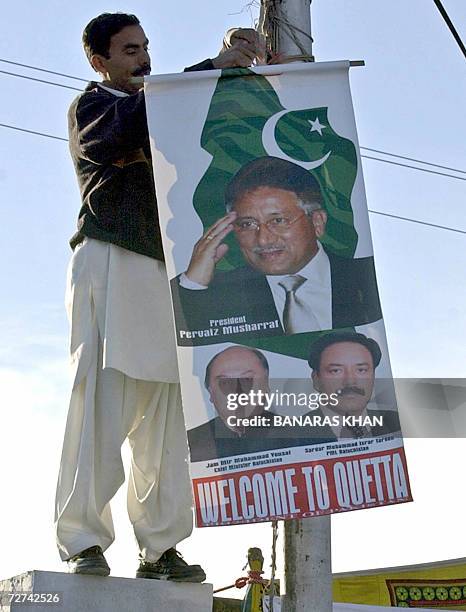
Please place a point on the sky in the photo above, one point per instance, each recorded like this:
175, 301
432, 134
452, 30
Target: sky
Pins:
408, 99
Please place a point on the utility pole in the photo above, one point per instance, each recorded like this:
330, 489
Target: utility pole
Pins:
286, 25
308, 567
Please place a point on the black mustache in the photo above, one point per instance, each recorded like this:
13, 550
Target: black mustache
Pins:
347, 390
141, 71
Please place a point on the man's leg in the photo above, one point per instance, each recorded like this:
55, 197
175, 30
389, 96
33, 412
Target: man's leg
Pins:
91, 469
159, 491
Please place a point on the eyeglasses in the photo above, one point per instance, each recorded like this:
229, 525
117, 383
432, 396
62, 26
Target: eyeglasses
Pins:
276, 225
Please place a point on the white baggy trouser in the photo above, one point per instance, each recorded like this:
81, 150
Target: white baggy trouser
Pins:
108, 338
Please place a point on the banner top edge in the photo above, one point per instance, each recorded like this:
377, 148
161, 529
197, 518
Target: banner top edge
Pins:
272, 70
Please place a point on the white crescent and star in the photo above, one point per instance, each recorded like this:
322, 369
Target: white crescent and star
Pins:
316, 126
271, 145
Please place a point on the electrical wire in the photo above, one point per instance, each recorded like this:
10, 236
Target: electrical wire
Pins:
13, 127
387, 161
419, 161
68, 76
444, 227
22, 76
375, 212
450, 25
460, 178
365, 148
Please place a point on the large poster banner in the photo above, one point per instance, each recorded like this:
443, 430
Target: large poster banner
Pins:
286, 381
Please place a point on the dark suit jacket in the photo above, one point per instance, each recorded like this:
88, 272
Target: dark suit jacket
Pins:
238, 300
214, 439
391, 424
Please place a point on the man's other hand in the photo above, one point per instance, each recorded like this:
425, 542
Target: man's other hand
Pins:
241, 46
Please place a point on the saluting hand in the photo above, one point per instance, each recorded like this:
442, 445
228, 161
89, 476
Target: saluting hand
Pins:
209, 250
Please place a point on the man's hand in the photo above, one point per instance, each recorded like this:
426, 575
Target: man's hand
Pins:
208, 250
241, 46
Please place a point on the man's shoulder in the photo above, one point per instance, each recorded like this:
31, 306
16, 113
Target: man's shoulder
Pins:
91, 93
351, 275
338, 261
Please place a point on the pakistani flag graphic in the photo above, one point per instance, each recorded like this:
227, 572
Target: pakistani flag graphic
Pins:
246, 120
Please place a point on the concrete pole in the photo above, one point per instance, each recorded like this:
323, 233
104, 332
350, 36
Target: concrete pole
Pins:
308, 571
307, 547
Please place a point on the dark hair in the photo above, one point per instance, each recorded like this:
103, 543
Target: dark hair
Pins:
326, 340
278, 173
99, 31
258, 354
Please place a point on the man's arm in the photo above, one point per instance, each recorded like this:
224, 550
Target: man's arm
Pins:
109, 127
205, 65
241, 46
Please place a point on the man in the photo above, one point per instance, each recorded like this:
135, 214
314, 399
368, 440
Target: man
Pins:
344, 363
290, 284
235, 370
122, 346
239, 427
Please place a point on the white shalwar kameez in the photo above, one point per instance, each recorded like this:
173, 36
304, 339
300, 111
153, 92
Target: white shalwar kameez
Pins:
125, 386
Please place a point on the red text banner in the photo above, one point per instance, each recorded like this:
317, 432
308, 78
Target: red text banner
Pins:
303, 489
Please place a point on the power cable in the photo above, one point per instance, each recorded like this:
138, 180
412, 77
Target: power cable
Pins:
450, 25
419, 161
365, 156
460, 178
375, 212
387, 161
22, 76
444, 227
13, 127
68, 76
365, 148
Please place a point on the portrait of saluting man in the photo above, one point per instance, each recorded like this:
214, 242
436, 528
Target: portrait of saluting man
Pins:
290, 283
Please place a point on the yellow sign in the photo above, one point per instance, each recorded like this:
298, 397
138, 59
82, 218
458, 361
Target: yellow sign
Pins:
439, 585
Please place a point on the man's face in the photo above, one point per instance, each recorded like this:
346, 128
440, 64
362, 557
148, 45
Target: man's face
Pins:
129, 58
236, 370
273, 249
347, 369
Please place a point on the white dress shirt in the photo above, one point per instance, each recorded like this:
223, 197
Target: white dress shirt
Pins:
316, 291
